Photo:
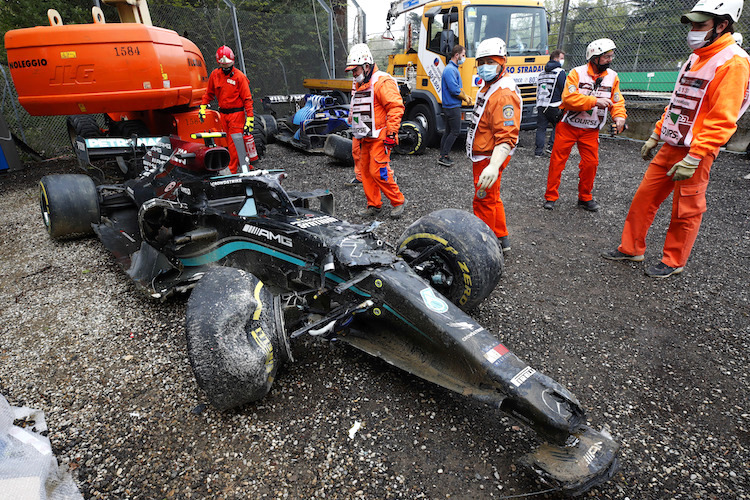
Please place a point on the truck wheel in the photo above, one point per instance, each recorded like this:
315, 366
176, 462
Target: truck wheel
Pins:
83, 125
339, 147
410, 139
69, 204
232, 340
456, 253
129, 127
422, 114
268, 122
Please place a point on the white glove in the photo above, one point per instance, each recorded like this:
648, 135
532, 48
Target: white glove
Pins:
684, 169
651, 143
489, 175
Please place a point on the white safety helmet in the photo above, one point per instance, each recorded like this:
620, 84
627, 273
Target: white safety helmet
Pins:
599, 47
738, 38
358, 55
491, 47
706, 9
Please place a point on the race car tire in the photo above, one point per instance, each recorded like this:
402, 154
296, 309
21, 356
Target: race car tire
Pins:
83, 125
422, 114
69, 204
129, 127
260, 142
410, 139
268, 122
339, 147
232, 342
456, 253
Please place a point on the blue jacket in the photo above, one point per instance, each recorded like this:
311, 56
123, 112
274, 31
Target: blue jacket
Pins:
451, 86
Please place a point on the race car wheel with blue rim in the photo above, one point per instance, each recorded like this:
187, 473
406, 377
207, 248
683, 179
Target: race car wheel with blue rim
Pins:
422, 114
456, 253
69, 204
232, 339
411, 139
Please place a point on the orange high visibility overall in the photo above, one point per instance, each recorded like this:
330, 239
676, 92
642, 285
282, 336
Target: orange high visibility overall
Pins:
496, 119
710, 96
376, 111
232, 93
580, 125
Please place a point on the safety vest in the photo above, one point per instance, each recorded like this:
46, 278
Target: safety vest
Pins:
687, 97
601, 87
363, 109
546, 88
482, 99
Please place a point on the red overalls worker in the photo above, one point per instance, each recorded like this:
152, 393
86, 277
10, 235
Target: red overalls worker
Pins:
231, 89
375, 114
710, 97
493, 134
590, 90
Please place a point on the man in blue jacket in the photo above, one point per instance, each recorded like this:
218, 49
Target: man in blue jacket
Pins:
453, 94
549, 91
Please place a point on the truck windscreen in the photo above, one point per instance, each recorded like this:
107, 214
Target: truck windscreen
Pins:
524, 29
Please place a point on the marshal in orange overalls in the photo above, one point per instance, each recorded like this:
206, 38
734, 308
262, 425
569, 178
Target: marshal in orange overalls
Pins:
580, 126
726, 70
232, 93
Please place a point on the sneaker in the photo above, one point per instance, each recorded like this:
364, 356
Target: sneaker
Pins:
398, 210
353, 182
618, 255
548, 204
591, 205
445, 161
370, 211
661, 270
548, 150
504, 242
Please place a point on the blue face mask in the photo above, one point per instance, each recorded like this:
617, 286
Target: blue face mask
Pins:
488, 72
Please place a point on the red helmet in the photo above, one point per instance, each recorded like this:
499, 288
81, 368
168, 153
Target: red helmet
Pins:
224, 55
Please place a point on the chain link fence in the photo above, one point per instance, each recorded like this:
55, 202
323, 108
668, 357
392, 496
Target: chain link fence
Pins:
651, 47
282, 47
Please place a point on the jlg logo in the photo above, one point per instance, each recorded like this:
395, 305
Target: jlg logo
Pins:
72, 75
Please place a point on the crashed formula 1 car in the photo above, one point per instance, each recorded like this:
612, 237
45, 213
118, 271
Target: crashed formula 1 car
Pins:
267, 265
320, 126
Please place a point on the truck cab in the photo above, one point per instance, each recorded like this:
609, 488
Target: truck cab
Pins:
522, 24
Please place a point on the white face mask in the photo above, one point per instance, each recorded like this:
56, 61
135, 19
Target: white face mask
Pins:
696, 39
562, 62
359, 78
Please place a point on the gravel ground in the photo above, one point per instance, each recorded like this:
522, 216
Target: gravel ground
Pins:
664, 363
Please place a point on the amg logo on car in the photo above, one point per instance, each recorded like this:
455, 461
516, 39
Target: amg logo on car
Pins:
265, 233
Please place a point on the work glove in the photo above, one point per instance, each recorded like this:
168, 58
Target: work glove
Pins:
684, 169
651, 143
491, 172
202, 112
249, 125
389, 142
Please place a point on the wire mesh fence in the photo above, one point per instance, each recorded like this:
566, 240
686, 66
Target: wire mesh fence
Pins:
282, 45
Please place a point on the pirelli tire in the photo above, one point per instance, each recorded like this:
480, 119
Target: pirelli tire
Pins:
232, 339
69, 205
339, 147
411, 139
456, 253
268, 122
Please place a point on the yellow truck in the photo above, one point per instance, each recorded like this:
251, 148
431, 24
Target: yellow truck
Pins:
522, 24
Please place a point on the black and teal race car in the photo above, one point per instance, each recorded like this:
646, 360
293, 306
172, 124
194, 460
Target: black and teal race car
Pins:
265, 266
